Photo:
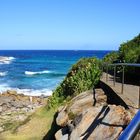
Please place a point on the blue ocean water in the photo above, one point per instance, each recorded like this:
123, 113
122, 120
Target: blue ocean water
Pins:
38, 72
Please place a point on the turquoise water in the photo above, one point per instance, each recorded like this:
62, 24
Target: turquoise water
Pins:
38, 72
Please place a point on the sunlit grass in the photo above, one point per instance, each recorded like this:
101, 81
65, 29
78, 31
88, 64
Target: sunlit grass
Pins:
33, 128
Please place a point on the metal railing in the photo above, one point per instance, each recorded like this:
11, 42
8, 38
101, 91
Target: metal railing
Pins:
132, 129
123, 65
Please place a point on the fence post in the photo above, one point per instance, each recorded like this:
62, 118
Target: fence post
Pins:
106, 73
114, 75
122, 79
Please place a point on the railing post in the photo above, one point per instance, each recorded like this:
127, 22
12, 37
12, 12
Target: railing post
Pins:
102, 71
122, 79
106, 73
114, 75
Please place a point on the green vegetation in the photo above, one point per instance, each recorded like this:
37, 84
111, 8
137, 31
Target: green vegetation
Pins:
83, 76
129, 52
111, 57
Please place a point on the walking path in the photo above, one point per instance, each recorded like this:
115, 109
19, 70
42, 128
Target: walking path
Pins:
130, 92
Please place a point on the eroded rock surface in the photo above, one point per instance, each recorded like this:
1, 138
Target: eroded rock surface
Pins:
62, 117
101, 123
90, 117
86, 100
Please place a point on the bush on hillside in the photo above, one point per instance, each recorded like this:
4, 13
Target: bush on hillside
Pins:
83, 76
130, 51
111, 57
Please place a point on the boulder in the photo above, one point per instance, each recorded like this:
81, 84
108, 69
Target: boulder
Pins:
16, 107
1, 129
99, 97
101, 123
86, 100
81, 102
61, 134
0, 109
62, 118
11, 92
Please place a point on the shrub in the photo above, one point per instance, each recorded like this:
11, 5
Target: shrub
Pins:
111, 57
83, 76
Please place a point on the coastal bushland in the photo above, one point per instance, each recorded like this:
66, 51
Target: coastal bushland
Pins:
83, 75
129, 52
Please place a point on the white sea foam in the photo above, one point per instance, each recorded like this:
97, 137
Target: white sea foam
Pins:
33, 92
34, 73
29, 92
4, 87
6, 60
3, 74
11, 58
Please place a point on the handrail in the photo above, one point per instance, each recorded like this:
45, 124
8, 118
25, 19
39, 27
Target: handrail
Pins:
125, 64
134, 126
132, 129
123, 74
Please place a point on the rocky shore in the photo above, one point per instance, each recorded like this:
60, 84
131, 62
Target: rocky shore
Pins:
88, 116
16, 108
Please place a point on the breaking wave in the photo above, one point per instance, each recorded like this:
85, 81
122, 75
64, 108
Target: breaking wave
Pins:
3, 74
6, 60
35, 73
29, 92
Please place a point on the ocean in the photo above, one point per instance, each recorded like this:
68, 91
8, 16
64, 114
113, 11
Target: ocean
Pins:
38, 72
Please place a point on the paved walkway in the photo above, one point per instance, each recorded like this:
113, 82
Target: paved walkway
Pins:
130, 93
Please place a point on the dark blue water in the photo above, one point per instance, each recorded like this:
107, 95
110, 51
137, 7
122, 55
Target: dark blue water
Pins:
38, 72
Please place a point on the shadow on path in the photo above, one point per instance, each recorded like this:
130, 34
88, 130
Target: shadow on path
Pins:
112, 97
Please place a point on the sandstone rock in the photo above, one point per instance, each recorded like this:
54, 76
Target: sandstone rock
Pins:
62, 118
20, 117
100, 97
16, 107
4, 99
61, 134
1, 129
101, 123
61, 108
86, 100
11, 92
81, 102
70, 125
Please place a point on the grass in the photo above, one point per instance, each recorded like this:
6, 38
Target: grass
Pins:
33, 128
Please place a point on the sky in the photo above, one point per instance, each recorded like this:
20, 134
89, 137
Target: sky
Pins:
68, 24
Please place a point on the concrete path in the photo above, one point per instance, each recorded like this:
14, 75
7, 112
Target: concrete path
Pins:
130, 93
